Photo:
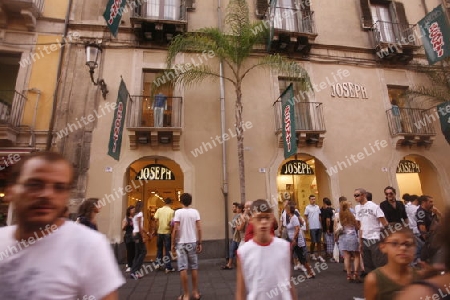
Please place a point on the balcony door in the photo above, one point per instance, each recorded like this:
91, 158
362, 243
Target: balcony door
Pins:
147, 110
381, 15
286, 15
163, 9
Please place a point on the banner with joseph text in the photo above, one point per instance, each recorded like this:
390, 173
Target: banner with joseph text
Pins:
288, 124
115, 137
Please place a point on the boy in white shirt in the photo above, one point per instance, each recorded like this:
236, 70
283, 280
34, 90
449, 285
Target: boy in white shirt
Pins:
312, 212
257, 276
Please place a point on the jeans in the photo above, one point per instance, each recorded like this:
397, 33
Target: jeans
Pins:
158, 116
372, 256
131, 253
164, 242
233, 248
141, 252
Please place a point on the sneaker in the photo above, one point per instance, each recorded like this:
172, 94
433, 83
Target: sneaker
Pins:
128, 269
134, 276
296, 267
313, 257
332, 260
321, 259
169, 270
302, 268
310, 276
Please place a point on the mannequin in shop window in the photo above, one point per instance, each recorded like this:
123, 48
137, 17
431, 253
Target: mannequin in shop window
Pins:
158, 106
396, 116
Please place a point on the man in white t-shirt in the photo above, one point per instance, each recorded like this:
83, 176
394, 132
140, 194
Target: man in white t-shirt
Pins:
369, 216
44, 257
188, 232
312, 212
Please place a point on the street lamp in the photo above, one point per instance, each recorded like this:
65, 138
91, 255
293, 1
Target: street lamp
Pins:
93, 54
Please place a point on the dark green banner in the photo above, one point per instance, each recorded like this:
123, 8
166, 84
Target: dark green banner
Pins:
435, 34
444, 117
113, 14
288, 117
115, 137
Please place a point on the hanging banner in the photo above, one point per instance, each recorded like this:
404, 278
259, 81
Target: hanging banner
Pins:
113, 14
115, 137
444, 117
288, 124
435, 34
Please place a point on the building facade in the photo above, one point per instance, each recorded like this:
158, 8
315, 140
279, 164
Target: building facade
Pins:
354, 129
31, 43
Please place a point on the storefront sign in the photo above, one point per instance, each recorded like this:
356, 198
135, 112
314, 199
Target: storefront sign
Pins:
408, 166
155, 172
296, 167
348, 90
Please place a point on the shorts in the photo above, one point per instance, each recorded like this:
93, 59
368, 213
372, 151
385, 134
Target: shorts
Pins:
187, 256
233, 248
301, 254
315, 235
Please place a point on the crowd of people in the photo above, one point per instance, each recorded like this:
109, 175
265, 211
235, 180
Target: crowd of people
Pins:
400, 249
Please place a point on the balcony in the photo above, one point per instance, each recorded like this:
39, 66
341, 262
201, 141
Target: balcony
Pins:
26, 10
159, 21
394, 42
292, 30
141, 123
12, 106
412, 127
309, 124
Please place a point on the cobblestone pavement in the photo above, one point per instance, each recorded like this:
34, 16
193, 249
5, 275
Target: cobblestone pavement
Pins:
218, 284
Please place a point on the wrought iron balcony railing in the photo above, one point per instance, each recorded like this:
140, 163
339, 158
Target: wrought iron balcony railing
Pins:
308, 117
293, 20
12, 105
174, 10
411, 121
396, 34
141, 114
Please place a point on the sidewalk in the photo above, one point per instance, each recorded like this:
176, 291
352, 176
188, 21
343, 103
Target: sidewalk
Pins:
218, 284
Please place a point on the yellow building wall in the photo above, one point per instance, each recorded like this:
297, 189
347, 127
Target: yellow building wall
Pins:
55, 9
43, 78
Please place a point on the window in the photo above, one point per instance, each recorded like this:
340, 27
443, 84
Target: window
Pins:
304, 117
163, 9
293, 16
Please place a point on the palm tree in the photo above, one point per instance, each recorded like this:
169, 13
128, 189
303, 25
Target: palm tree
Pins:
233, 48
439, 90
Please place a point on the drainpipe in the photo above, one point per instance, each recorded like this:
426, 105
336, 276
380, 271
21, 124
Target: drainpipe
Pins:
33, 125
58, 82
223, 129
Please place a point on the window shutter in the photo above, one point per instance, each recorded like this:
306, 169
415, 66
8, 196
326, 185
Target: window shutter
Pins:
261, 8
366, 18
401, 13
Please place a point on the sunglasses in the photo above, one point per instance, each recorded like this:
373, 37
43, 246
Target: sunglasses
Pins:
356, 195
389, 194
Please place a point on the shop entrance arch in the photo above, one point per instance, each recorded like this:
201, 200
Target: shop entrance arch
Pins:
154, 179
417, 175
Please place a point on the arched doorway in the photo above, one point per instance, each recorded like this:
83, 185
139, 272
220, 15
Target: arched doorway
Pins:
417, 175
154, 179
299, 177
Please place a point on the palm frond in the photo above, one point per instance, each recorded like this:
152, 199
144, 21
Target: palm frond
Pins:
285, 67
237, 16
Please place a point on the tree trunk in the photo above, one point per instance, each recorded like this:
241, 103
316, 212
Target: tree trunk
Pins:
240, 140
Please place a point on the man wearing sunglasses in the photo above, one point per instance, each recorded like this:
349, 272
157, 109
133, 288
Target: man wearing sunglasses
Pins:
394, 210
44, 257
369, 216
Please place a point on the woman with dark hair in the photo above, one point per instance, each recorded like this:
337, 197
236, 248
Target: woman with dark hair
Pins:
138, 237
87, 213
436, 287
127, 226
